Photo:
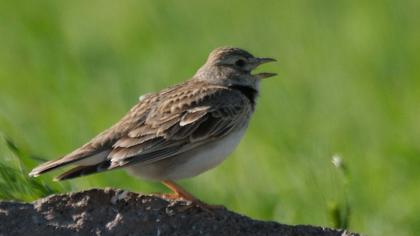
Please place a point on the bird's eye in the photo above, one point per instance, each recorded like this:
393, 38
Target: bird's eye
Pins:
240, 63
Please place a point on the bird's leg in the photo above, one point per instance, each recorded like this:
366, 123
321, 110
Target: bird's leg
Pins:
179, 192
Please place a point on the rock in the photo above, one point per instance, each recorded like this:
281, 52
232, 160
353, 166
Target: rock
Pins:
118, 212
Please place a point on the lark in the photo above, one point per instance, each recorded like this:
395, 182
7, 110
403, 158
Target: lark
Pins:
179, 132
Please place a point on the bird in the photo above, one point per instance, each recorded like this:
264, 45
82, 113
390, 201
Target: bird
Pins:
178, 132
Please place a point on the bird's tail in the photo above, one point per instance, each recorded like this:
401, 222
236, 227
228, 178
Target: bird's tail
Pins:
83, 170
76, 158
47, 166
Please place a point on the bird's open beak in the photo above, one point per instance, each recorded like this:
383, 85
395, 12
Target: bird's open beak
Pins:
265, 75
262, 60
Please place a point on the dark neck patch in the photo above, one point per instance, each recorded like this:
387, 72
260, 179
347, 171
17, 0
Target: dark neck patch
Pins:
249, 92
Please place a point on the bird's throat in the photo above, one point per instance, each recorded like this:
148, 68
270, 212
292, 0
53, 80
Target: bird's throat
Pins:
249, 92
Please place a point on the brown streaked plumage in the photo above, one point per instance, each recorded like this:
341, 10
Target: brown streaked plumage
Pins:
173, 134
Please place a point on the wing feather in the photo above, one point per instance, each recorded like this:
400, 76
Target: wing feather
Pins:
160, 126
196, 120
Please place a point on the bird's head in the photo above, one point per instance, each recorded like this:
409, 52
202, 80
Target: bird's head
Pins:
233, 66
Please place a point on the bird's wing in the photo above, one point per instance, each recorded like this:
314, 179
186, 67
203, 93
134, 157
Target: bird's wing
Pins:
182, 120
159, 126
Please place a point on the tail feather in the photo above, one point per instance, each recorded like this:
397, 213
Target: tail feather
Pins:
76, 158
48, 166
83, 170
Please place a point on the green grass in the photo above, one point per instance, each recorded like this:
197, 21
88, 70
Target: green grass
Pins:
14, 181
348, 84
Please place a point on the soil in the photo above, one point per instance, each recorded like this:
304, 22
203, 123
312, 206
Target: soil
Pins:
118, 212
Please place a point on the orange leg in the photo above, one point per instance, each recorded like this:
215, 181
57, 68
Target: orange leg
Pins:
180, 192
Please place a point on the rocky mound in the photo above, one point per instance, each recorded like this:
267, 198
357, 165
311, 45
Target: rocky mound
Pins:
118, 212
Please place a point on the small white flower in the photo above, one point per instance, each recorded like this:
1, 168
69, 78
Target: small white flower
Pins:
337, 161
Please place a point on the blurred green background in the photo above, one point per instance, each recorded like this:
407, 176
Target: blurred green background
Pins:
348, 85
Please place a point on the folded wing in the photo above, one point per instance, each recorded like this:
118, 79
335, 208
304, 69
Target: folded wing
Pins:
160, 126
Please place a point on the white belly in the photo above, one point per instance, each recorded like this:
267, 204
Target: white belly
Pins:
191, 163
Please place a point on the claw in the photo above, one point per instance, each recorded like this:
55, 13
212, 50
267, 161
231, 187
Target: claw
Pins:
180, 193
210, 209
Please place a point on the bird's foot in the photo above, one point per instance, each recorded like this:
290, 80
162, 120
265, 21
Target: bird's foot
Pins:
180, 193
192, 202
209, 208
170, 196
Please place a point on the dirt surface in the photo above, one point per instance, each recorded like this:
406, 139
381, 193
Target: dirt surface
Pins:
117, 212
